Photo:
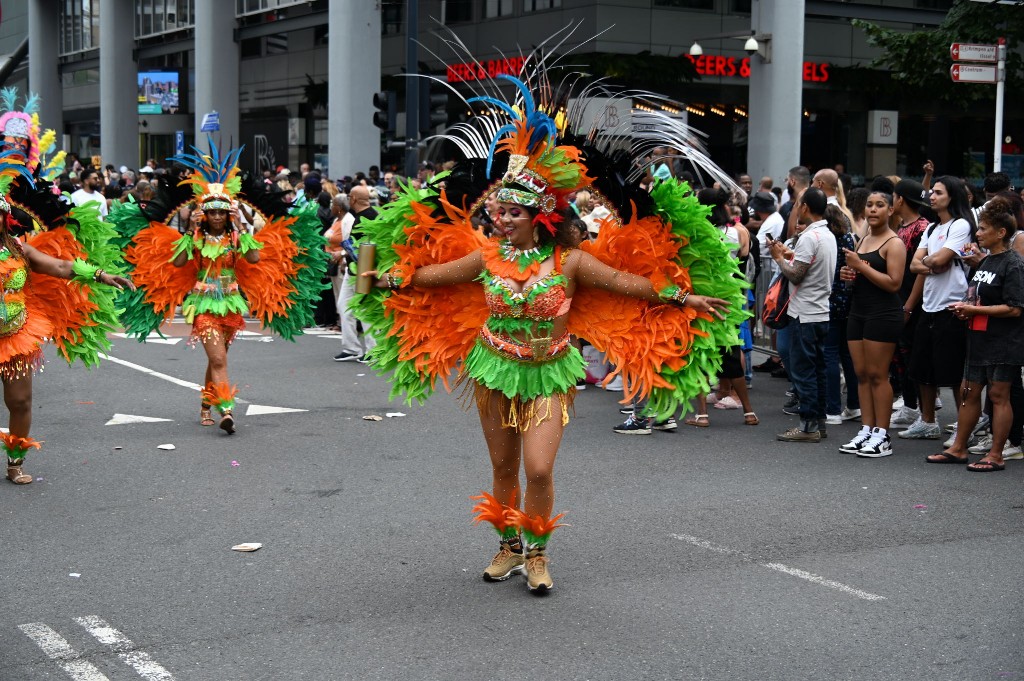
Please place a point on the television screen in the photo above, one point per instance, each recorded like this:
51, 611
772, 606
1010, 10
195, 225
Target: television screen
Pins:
158, 92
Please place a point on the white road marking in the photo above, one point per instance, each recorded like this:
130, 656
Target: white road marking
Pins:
253, 408
146, 667
59, 650
330, 335
256, 409
120, 419
824, 582
157, 374
779, 567
244, 332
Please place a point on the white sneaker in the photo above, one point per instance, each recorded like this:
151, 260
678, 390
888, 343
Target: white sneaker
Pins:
850, 414
984, 444
834, 419
905, 416
938, 403
1012, 452
919, 430
854, 445
984, 426
614, 385
971, 441
897, 404
877, 447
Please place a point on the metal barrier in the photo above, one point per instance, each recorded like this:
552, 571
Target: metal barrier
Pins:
761, 333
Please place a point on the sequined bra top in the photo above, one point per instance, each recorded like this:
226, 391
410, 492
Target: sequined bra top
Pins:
543, 300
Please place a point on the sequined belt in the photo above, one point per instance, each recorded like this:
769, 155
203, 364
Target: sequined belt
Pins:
216, 285
538, 348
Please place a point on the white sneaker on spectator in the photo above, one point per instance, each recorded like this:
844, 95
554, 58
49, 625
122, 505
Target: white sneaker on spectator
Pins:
712, 398
728, 402
614, 385
938, 403
984, 425
875, 448
834, 419
919, 430
971, 441
984, 444
897, 403
850, 414
905, 416
1012, 452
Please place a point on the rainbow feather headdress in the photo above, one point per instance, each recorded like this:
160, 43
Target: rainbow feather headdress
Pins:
215, 180
19, 129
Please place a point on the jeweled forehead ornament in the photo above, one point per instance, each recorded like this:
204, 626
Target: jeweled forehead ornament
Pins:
525, 187
16, 126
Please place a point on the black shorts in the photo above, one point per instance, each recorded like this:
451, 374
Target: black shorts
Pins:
732, 366
940, 348
991, 373
884, 328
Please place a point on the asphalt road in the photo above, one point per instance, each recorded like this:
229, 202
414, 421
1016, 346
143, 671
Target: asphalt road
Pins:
701, 554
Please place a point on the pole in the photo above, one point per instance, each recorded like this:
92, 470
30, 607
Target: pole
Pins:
997, 152
412, 89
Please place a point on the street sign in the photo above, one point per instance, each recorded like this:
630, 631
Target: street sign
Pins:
970, 52
179, 142
972, 73
211, 122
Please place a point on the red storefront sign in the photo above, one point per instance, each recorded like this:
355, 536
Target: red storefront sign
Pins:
460, 73
730, 67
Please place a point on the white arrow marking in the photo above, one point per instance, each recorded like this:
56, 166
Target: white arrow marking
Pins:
57, 648
120, 419
146, 667
256, 409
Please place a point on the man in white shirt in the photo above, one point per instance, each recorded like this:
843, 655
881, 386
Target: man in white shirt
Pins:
810, 268
92, 186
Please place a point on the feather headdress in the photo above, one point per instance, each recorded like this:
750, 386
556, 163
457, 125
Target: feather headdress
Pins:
214, 179
12, 166
553, 142
20, 128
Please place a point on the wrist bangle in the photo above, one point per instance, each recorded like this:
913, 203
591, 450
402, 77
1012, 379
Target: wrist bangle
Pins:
96, 277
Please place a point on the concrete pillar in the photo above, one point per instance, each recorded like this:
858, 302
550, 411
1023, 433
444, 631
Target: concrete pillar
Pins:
216, 68
353, 54
119, 117
43, 69
776, 89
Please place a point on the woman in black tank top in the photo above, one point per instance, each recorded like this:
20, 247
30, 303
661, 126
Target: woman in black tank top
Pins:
876, 319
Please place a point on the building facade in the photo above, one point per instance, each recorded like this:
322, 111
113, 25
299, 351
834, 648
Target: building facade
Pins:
292, 79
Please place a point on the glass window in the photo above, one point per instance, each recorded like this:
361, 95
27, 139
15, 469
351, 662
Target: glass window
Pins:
456, 11
686, 4
538, 5
934, 4
741, 6
497, 8
392, 17
78, 24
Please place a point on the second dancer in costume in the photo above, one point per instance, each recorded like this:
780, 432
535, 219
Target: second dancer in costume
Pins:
217, 261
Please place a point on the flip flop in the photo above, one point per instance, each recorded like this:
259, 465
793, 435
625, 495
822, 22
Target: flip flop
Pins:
946, 458
985, 467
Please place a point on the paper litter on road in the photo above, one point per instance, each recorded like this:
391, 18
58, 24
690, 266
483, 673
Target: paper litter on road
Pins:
235, 464
373, 417
247, 548
116, 448
74, 575
394, 414
167, 447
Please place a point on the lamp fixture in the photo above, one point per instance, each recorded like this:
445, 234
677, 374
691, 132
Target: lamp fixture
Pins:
754, 43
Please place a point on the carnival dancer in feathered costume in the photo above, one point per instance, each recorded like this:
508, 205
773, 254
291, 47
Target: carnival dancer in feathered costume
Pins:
208, 269
40, 304
654, 292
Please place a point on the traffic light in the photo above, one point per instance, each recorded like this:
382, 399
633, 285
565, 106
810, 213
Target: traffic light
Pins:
433, 106
387, 111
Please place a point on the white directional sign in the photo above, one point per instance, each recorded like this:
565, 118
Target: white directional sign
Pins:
971, 52
972, 73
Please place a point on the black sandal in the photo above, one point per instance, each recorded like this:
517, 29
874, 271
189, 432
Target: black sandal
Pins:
946, 458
